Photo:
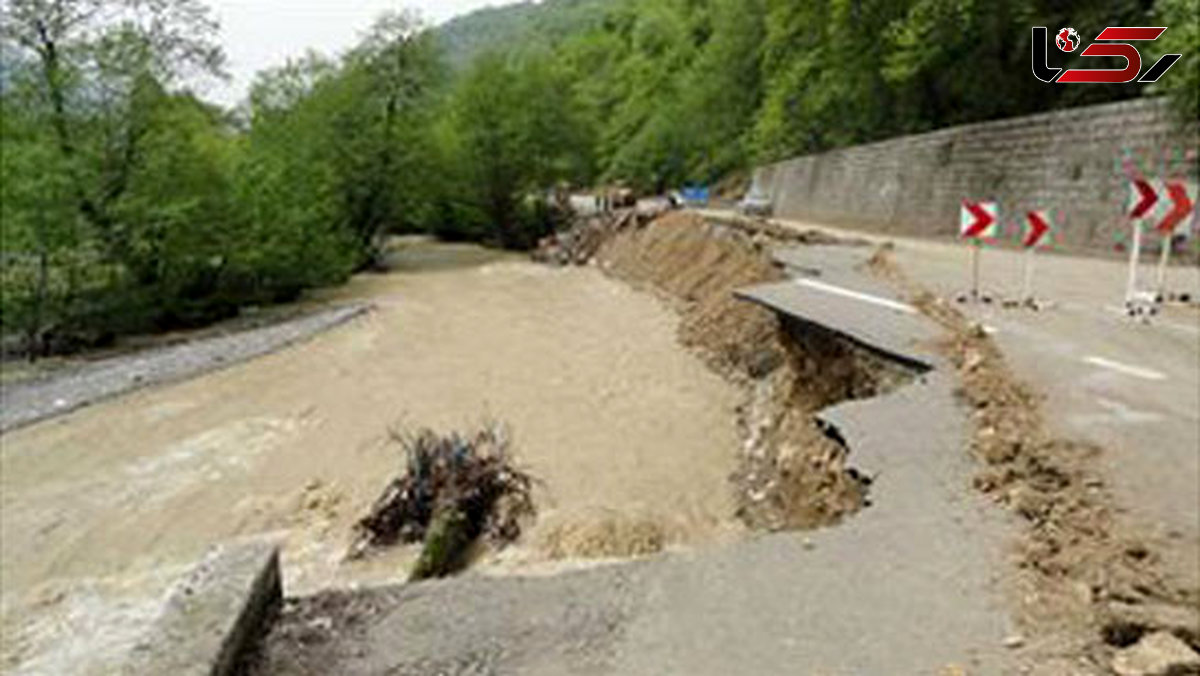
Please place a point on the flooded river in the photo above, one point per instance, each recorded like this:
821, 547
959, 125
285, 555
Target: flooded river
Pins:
630, 435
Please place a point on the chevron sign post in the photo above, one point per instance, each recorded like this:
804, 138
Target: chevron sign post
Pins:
1039, 227
1180, 211
1166, 207
1143, 197
977, 221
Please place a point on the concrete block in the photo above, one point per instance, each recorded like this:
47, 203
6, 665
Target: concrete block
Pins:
214, 614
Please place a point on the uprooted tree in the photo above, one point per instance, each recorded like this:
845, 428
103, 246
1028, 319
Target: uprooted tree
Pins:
455, 489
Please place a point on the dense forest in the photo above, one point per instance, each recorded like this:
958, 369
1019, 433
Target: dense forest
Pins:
130, 204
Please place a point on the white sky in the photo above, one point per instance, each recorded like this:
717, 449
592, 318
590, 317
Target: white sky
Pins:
258, 34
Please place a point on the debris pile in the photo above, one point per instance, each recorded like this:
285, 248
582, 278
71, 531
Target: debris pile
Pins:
455, 489
577, 245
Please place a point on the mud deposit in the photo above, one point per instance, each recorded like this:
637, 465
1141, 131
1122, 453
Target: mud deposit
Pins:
630, 433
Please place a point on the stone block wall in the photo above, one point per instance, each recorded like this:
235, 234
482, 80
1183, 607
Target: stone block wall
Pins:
1072, 163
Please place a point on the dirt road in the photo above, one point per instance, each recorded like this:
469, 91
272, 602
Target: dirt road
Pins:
102, 508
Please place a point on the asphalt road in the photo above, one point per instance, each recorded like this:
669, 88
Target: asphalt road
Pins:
1131, 387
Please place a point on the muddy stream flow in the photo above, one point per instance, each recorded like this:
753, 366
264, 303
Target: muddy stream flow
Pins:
632, 437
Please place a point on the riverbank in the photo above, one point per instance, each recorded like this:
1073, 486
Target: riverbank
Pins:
626, 431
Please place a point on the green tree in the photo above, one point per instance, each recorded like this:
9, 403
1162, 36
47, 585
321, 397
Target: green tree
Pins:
99, 63
38, 236
396, 70
514, 133
365, 122
644, 142
1182, 82
86, 82
722, 90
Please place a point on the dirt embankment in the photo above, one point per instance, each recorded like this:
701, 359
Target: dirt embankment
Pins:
1089, 589
793, 471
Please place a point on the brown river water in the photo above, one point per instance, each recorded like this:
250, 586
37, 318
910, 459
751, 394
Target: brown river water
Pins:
631, 436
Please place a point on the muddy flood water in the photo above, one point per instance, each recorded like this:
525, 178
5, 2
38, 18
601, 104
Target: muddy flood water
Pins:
630, 435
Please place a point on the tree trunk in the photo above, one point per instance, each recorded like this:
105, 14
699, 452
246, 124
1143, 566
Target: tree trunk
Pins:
52, 74
34, 342
446, 542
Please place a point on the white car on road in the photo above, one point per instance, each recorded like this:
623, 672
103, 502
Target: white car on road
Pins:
756, 204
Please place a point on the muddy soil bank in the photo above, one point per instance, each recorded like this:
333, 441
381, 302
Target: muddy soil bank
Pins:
793, 472
632, 437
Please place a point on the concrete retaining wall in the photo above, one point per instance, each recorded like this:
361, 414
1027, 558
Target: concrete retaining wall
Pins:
1071, 163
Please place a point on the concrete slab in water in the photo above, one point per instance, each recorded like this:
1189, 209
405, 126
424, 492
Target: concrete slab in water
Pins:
214, 614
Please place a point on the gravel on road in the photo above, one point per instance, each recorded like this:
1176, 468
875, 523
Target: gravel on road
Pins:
66, 390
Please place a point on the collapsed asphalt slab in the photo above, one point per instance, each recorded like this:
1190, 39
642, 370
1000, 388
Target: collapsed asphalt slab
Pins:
889, 327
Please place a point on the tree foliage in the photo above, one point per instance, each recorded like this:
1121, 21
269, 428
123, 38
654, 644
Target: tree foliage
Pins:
688, 90
512, 130
130, 204
90, 125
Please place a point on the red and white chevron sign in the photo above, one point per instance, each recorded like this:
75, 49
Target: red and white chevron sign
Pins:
1039, 227
1181, 207
978, 220
1147, 197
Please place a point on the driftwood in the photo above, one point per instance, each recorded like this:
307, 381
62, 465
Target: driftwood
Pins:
455, 489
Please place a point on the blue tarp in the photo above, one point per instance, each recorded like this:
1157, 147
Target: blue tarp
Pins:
694, 194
